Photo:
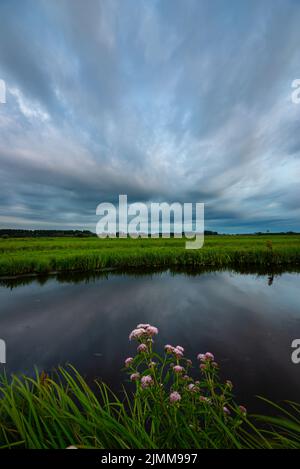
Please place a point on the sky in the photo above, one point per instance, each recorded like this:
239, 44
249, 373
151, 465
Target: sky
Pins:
162, 100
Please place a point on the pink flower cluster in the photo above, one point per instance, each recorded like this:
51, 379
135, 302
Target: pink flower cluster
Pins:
178, 369
204, 357
128, 362
149, 373
143, 331
178, 351
135, 377
207, 359
146, 381
175, 397
192, 387
142, 348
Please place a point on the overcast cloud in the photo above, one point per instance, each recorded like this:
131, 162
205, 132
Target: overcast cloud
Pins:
163, 100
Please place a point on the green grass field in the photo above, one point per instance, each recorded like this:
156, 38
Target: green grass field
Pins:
45, 255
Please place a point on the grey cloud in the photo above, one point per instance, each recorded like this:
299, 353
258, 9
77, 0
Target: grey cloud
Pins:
172, 100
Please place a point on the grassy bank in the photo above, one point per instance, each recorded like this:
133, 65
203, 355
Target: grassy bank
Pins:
26, 255
168, 409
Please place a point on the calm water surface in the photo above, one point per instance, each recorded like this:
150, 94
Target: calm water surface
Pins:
247, 321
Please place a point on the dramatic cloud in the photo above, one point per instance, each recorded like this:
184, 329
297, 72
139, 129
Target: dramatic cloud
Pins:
163, 100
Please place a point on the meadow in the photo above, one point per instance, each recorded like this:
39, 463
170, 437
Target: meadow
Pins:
44, 255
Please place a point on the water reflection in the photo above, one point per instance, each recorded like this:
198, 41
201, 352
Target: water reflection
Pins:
87, 277
270, 280
85, 320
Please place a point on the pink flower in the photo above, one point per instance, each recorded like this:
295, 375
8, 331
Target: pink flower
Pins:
189, 362
178, 347
175, 397
142, 348
142, 326
137, 333
178, 369
169, 348
202, 367
192, 387
209, 356
151, 330
226, 411
243, 410
128, 361
215, 365
204, 399
205, 357
134, 376
178, 353
186, 377
146, 381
